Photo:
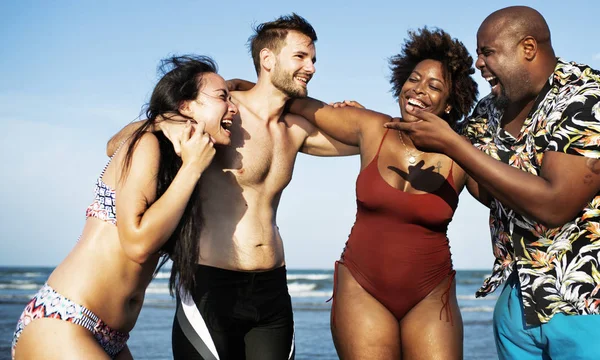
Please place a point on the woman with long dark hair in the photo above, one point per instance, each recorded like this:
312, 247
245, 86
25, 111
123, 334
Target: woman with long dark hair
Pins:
145, 210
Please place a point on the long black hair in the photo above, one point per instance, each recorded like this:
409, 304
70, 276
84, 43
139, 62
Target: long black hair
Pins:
182, 80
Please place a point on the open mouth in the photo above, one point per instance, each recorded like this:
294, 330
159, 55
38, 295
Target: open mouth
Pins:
417, 103
226, 124
492, 80
303, 79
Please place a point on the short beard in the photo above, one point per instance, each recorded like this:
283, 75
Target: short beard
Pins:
284, 82
501, 101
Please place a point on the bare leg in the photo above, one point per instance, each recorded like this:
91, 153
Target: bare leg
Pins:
57, 339
361, 326
425, 336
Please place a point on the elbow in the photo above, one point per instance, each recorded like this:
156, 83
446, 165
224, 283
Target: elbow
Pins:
137, 254
136, 249
554, 210
555, 218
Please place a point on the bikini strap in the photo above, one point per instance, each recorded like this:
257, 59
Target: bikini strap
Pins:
383, 138
113, 155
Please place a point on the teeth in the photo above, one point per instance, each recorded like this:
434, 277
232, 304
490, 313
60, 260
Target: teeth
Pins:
416, 103
304, 80
492, 80
226, 123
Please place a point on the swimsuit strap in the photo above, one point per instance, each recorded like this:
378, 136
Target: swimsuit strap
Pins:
381, 144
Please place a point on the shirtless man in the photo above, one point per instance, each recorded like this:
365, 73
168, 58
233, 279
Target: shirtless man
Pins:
241, 307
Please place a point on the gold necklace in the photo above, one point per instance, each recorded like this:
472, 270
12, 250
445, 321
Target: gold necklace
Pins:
412, 158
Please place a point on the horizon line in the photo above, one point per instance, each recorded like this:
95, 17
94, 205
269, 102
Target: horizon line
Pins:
287, 268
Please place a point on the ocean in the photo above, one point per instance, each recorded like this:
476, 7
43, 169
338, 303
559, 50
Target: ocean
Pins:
151, 338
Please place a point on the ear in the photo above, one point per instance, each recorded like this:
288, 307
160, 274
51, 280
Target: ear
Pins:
529, 47
448, 109
267, 59
185, 108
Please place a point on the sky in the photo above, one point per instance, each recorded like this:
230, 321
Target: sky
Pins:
74, 72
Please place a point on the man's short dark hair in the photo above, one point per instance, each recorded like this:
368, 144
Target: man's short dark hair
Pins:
271, 35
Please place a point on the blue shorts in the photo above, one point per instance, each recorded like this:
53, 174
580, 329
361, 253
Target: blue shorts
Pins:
563, 337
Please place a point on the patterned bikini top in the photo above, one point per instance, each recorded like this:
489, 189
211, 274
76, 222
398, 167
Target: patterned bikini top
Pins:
104, 205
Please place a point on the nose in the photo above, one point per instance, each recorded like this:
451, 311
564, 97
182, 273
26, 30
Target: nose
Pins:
479, 63
309, 67
418, 88
232, 107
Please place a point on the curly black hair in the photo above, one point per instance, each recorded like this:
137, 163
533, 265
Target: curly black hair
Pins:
436, 44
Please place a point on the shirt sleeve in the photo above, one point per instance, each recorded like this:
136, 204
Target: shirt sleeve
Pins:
578, 130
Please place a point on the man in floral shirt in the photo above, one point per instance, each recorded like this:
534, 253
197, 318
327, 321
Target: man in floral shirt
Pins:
538, 133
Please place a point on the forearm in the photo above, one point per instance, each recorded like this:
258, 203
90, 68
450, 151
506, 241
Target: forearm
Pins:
156, 225
335, 148
528, 194
339, 123
478, 192
305, 107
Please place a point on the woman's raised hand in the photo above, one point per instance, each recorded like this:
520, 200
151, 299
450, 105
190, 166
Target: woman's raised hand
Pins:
197, 148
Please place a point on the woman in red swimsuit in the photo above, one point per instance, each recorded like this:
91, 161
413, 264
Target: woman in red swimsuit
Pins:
395, 291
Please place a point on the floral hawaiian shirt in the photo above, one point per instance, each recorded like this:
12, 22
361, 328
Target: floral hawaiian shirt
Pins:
557, 268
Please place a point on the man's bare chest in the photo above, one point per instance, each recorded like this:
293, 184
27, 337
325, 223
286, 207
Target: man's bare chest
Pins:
261, 154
